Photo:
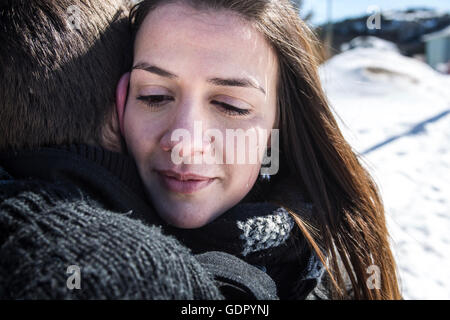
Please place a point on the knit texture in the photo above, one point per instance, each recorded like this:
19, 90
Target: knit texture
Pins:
78, 206
45, 228
110, 177
263, 232
234, 273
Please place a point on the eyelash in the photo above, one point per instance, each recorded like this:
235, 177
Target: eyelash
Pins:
163, 99
148, 100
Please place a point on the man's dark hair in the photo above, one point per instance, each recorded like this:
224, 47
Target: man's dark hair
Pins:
60, 61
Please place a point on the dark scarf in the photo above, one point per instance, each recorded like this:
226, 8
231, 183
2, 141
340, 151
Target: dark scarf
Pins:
264, 234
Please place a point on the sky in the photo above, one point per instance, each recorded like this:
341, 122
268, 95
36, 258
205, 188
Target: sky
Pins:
353, 8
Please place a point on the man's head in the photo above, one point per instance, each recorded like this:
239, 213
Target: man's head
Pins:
60, 61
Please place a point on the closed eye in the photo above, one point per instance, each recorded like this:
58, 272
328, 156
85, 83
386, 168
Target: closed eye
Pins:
156, 100
231, 110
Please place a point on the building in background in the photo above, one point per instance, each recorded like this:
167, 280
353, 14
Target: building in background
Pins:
437, 50
405, 28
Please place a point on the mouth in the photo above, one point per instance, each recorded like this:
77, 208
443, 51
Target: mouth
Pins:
185, 183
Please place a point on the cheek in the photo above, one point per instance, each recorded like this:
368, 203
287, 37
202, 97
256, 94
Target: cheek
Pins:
241, 178
140, 134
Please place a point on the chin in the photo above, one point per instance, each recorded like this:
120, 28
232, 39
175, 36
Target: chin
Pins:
188, 224
186, 220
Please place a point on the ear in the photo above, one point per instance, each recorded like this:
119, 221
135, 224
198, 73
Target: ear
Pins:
121, 98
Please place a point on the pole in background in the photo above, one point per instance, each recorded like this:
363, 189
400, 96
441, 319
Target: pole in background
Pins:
329, 31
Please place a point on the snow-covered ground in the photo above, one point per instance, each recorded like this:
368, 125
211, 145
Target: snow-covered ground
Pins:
395, 112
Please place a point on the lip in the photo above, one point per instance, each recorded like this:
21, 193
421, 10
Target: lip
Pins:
183, 182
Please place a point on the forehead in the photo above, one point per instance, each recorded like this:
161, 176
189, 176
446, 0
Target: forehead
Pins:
208, 41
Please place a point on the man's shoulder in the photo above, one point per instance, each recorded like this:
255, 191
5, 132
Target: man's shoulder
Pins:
12, 189
4, 175
46, 227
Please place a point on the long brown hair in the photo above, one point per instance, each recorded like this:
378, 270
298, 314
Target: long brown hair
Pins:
348, 229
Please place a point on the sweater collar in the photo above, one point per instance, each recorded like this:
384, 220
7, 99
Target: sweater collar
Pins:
109, 176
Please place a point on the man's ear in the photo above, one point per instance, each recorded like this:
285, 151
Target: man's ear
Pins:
121, 98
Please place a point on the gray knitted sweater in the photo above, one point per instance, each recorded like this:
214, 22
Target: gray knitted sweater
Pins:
81, 207
71, 229
45, 228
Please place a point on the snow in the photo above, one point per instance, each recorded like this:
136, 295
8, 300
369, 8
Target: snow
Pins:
369, 42
395, 112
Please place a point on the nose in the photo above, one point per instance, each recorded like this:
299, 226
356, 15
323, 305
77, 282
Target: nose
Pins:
187, 127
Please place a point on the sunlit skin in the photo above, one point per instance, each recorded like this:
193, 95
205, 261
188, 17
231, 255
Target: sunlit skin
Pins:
184, 61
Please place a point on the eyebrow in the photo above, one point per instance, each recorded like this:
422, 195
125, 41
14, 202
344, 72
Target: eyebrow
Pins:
229, 82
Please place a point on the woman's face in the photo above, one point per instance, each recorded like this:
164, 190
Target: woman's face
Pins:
203, 73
